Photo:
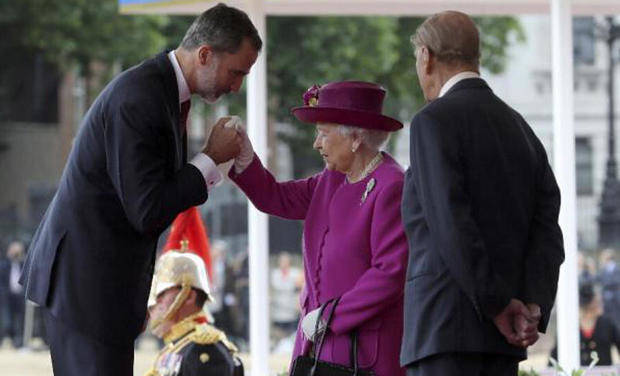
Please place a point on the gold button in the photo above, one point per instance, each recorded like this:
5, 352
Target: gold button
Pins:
204, 357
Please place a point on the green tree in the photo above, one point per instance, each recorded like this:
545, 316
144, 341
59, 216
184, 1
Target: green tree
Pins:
303, 51
76, 33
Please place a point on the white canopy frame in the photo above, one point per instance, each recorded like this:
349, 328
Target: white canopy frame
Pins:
560, 11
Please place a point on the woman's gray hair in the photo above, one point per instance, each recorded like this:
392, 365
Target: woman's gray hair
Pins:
373, 138
223, 28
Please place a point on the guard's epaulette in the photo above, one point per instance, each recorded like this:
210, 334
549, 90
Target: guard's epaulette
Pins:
206, 334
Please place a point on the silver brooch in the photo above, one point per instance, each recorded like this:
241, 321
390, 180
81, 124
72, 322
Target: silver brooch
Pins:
369, 187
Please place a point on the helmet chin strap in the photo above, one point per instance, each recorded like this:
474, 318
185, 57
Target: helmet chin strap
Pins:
186, 288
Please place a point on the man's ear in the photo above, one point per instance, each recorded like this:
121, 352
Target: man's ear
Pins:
428, 60
205, 54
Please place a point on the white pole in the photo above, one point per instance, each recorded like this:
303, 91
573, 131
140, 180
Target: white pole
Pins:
258, 231
564, 162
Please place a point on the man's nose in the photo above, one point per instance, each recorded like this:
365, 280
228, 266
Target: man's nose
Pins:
236, 86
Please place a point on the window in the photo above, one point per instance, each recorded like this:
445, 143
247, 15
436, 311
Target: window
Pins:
583, 160
583, 40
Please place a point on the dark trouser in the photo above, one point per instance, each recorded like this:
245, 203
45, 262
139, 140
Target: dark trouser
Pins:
465, 364
16, 308
74, 353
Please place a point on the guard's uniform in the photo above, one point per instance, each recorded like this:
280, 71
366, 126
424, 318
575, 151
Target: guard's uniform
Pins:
194, 347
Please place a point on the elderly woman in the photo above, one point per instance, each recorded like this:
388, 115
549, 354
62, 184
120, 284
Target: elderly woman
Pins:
354, 243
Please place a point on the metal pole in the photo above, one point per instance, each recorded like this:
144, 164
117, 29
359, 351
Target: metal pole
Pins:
609, 219
258, 231
564, 163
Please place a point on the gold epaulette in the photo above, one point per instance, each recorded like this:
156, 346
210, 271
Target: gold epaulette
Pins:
206, 334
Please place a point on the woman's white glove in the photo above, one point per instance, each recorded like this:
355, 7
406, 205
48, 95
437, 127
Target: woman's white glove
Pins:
308, 325
246, 154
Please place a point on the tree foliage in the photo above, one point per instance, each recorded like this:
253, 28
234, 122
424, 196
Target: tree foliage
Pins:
303, 51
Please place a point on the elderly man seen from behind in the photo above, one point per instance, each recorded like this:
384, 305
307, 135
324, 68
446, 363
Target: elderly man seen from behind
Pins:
480, 208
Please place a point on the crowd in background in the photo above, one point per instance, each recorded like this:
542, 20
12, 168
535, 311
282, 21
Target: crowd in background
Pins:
599, 296
599, 308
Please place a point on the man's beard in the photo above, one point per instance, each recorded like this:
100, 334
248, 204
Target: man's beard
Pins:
210, 94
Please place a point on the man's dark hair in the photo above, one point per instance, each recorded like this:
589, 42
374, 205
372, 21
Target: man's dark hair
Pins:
223, 28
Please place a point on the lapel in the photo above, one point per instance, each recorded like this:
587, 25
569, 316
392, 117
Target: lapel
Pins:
172, 98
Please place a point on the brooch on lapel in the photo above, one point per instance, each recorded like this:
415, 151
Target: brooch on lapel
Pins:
369, 187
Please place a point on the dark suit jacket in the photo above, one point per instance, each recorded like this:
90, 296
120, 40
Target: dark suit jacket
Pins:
480, 209
91, 259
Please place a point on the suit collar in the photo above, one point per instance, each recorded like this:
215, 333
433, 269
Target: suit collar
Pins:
468, 83
170, 80
172, 97
456, 79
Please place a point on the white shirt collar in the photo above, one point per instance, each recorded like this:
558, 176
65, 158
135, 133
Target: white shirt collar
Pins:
184, 94
455, 79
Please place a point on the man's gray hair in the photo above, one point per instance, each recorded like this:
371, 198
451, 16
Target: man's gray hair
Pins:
223, 28
452, 37
373, 138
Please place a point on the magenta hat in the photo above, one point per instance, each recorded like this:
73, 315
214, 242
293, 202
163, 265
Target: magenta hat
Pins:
347, 102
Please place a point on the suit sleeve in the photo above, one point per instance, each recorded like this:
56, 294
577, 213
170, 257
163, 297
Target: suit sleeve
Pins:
288, 200
137, 168
381, 286
438, 172
545, 250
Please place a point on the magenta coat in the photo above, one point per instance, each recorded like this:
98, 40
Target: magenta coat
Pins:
352, 249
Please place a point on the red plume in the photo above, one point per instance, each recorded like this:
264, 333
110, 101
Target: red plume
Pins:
188, 226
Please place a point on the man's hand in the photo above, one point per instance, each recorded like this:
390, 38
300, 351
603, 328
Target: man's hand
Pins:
527, 327
223, 143
506, 322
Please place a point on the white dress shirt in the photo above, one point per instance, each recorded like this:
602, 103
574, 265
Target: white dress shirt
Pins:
456, 79
203, 163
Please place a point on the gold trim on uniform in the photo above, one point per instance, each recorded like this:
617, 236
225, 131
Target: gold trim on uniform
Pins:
190, 331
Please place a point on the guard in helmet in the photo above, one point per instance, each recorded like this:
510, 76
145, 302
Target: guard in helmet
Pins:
179, 290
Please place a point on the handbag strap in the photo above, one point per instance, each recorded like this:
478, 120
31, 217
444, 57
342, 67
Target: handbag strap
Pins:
354, 352
319, 343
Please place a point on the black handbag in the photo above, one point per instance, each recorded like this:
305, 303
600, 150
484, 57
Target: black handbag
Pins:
312, 366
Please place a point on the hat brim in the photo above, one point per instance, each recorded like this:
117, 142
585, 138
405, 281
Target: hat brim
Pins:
362, 119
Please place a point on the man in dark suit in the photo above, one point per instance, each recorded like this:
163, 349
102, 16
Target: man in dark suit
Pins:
91, 260
480, 208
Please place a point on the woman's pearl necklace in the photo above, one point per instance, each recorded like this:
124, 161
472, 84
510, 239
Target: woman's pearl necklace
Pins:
370, 167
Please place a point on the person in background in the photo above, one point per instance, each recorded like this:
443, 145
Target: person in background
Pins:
13, 293
219, 251
609, 279
597, 332
586, 268
286, 283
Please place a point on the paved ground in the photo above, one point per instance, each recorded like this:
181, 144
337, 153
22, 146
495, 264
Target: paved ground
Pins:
37, 363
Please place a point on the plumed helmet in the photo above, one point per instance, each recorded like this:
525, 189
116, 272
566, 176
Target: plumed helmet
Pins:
182, 268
